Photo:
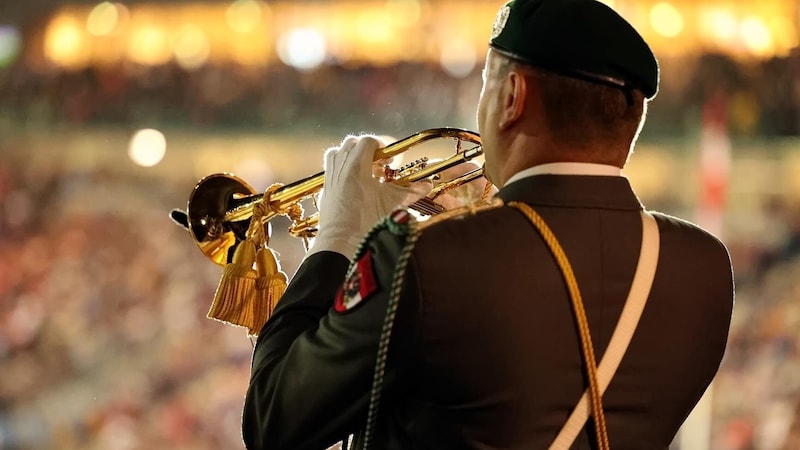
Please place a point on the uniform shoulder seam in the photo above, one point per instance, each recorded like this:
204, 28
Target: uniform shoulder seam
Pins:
464, 211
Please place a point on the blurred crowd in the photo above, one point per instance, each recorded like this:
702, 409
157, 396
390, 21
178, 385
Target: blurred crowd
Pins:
764, 95
277, 97
104, 343
757, 392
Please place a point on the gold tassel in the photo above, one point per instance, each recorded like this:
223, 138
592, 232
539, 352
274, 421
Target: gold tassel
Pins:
270, 286
234, 296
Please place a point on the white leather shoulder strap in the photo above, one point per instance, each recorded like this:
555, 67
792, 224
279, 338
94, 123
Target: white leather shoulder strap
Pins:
628, 320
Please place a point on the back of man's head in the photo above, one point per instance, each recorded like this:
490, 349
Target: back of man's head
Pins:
580, 114
593, 70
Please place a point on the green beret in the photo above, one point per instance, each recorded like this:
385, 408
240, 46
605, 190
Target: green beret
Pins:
580, 38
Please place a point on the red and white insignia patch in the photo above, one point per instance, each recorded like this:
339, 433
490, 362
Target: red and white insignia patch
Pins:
359, 285
400, 216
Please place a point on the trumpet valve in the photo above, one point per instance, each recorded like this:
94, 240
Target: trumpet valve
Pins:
390, 174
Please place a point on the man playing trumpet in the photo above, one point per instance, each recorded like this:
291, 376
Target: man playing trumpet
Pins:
485, 329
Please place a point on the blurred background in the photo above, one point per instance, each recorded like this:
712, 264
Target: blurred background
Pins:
111, 112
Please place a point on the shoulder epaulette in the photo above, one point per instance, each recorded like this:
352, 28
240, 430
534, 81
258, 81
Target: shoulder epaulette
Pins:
464, 211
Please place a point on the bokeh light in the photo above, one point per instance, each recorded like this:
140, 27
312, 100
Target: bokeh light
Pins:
784, 34
149, 45
403, 13
666, 20
374, 25
103, 19
458, 58
256, 171
303, 48
243, 16
756, 35
191, 47
720, 24
66, 43
10, 44
147, 147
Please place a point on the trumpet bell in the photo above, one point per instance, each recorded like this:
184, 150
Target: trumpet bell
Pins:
208, 203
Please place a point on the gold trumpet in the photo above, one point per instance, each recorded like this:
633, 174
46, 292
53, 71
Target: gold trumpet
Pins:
221, 205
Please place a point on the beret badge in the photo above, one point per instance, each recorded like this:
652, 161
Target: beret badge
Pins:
500, 20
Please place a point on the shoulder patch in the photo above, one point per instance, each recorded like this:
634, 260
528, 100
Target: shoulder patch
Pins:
468, 210
400, 216
359, 285
398, 222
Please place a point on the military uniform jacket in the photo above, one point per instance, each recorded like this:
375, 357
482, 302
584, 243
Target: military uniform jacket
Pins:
485, 353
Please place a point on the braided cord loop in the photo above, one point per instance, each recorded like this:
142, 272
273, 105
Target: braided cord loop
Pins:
580, 316
412, 232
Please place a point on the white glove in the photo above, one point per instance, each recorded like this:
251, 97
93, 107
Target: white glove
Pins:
352, 200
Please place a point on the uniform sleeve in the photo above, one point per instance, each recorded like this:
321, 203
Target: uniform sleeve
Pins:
313, 365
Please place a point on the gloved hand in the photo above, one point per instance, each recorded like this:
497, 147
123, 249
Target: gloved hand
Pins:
352, 200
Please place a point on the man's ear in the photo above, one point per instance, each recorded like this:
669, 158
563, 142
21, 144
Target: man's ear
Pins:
515, 89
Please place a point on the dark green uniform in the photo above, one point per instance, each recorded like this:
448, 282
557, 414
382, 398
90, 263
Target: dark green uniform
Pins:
484, 350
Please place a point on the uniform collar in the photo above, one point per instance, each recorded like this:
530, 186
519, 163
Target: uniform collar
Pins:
577, 191
567, 168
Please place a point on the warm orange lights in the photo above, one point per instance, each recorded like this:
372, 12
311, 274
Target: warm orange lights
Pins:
374, 25
762, 31
66, 42
244, 16
191, 47
719, 25
666, 20
404, 13
756, 36
149, 45
306, 34
106, 18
